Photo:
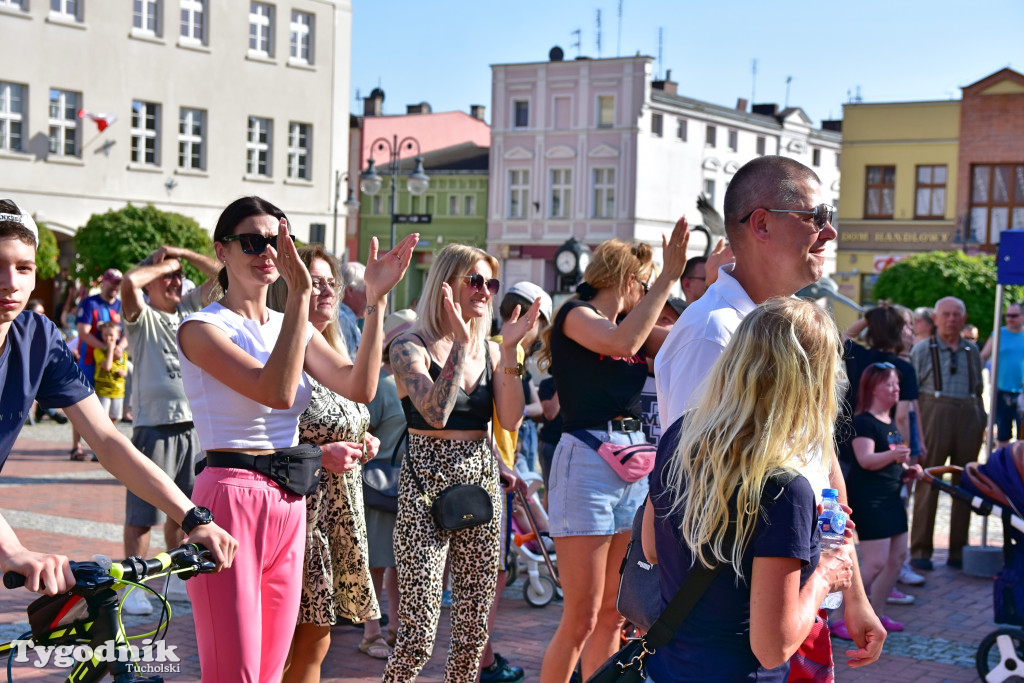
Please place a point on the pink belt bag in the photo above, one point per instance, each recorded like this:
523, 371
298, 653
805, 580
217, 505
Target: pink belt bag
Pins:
631, 461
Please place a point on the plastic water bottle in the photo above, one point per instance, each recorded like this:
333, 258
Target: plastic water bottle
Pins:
832, 525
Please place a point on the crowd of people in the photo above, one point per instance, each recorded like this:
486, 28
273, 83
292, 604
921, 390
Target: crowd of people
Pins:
729, 411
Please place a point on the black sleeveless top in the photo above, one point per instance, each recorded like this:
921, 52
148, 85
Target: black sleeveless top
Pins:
471, 411
593, 388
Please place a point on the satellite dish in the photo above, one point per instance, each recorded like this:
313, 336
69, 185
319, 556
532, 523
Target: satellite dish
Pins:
556, 54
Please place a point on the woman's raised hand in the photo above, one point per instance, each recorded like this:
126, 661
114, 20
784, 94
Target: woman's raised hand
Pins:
383, 273
513, 331
456, 325
286, 260
674, 250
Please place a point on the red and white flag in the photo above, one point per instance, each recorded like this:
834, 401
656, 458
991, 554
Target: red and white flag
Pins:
102, 120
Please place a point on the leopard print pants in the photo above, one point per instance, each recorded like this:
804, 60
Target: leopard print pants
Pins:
421, 549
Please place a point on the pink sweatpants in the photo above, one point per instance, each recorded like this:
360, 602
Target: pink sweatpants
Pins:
245, 616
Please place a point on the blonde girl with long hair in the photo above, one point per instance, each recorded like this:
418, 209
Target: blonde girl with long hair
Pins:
768, 405
597, 349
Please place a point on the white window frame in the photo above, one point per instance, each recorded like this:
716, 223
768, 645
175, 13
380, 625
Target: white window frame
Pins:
761, 145
69, 10
681, 132
708, 190
469, 205
63, 128
734, 140
711, 136
258, 152
453, 205
604, 121
515, 111
603, 192
145, 149
300, 153
193, 17
518, 193
301, 37
12, 118
13, 4
561, 193
191, 144
146, 17
657, 125
261, 29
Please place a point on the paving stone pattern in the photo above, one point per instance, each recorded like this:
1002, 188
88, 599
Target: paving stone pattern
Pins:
77, 509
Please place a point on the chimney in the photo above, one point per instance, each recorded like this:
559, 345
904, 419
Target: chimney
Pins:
765, 109
374, 104
668, 86
421, 108
477, 111
741, 104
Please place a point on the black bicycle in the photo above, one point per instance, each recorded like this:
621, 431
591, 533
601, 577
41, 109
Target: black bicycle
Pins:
84, 627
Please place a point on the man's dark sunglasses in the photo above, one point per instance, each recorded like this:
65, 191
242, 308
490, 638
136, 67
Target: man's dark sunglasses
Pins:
822, 214
477, 282
253, 242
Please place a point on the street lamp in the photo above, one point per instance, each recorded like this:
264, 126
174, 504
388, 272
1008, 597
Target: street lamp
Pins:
351, 204
370, 181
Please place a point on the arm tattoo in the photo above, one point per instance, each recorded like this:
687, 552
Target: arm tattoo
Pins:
434, 400
371, 309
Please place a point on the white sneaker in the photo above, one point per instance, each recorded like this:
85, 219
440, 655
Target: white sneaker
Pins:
135, 602
909, 577
176, 590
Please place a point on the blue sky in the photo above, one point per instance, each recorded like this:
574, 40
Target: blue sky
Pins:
440, 51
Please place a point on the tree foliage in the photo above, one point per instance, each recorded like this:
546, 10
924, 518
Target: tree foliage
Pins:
120, 239
923, 279
47, 253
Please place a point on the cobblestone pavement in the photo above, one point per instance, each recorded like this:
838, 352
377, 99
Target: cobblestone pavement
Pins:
76, 508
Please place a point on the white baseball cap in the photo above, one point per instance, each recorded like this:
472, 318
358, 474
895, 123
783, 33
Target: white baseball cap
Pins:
530, 292
22, 217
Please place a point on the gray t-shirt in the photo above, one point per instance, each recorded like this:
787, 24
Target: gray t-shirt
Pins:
158, 396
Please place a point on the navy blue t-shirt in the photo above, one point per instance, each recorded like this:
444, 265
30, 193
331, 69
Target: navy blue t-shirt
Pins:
35, 363
713, 644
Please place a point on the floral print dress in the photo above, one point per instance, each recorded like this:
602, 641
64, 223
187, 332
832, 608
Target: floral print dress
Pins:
336, 575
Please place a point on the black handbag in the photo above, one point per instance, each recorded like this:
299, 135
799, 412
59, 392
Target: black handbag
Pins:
380, 481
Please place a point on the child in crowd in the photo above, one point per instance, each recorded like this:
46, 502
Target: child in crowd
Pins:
110, 371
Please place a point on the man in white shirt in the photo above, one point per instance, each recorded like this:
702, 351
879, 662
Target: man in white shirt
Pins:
778, 225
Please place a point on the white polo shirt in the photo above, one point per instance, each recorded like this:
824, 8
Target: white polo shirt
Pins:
695, 343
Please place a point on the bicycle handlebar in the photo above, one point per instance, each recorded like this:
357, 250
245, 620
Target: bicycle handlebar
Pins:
92, 576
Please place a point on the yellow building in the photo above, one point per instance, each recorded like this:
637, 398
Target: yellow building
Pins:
899, 171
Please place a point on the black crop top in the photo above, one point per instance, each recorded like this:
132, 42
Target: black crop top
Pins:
471, 411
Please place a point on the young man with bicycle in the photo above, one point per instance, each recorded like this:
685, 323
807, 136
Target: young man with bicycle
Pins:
35, 364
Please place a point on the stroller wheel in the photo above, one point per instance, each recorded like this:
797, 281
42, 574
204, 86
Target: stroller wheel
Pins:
512, 570
1001, 656
541, 596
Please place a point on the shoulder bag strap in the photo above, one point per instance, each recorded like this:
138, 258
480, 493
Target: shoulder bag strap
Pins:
697, 583
936, 364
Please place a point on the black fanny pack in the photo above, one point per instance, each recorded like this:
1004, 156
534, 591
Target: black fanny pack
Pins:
296, 470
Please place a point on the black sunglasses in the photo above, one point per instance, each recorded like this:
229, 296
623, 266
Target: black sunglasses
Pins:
645, 286
253, 242
822, 214
477, 282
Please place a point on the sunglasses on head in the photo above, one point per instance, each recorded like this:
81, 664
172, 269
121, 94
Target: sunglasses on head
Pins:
883, 365
822, 214
477, 282
253, 242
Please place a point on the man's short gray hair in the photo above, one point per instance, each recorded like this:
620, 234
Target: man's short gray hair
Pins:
352, 275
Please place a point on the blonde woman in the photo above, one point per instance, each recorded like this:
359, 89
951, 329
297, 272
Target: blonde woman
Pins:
600, 368
448, 378
770, 401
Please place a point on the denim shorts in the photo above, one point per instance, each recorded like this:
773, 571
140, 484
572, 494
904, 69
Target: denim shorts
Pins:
586, 496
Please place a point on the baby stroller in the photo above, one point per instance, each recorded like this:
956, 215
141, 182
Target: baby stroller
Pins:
532, 549
997, 488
